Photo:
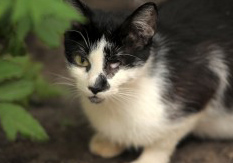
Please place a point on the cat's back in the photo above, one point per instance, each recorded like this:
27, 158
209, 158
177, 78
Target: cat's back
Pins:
197, 19
197, 38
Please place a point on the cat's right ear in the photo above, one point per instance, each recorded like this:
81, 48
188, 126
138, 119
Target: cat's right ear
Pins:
139, 28
78, 30
82, 8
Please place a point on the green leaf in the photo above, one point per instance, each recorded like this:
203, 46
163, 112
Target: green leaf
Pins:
20, 10
16, 90
22, 60
38, 10
47, 19
22, 28
15, 119
68, 12
9, 70
47, 32
31, 68
15, 46
4, 6
52, 25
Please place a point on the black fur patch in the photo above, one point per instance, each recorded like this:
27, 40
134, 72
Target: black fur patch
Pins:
189, 28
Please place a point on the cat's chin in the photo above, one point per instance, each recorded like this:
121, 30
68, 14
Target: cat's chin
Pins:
95, 99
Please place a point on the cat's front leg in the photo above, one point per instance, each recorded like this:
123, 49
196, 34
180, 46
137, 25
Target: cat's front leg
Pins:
101, 146
161, 150
158, 153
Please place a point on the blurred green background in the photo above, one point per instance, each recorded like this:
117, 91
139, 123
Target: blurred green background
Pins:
20, 77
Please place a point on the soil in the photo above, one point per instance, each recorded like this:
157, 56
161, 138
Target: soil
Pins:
69, 131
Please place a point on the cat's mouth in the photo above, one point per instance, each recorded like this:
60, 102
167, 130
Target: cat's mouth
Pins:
95, 99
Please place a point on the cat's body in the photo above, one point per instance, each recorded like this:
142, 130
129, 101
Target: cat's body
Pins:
148, 82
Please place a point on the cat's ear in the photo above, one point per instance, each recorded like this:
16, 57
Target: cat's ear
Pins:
85, 11
76, 32
77, 26
82, 8
139, 28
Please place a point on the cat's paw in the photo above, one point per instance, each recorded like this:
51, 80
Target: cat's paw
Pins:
104, 148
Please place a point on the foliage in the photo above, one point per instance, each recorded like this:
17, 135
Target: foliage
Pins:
20, 78
47, 19
23, 123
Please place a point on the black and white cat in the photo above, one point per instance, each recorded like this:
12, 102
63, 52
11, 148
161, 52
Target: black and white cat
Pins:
147, 80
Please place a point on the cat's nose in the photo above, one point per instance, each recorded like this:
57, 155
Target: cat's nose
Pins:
100, 85
95, 90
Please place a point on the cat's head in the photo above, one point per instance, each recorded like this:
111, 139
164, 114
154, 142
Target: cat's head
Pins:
105, 55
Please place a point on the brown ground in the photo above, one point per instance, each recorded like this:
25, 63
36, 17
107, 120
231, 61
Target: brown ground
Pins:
70, 133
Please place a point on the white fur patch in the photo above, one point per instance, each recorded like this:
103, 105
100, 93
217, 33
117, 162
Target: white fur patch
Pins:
218, 66
216, 123
85, 79
96, 58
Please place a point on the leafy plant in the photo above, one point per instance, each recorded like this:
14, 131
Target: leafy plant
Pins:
15, 119
20, 77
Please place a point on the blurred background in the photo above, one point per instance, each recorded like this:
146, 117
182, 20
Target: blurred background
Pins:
41, 120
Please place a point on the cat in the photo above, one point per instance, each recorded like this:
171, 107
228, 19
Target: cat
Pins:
151, 77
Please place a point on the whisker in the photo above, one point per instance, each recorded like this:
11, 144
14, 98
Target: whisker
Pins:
127, 97
88, 38
128, 89
80, 35
75, 96
123, 100
128, 92
81, 50
124, 97
62, 77
64, 83
117, 100
75, 86
130, 56
77, 43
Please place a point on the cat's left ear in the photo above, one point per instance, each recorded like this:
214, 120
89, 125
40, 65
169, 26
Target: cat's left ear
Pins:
82, 8
139, 28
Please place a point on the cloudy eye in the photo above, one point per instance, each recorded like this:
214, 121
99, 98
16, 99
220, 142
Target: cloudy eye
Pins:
115, 65
81, 61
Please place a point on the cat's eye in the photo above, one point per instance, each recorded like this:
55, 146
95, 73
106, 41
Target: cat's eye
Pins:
81, 61
114, 65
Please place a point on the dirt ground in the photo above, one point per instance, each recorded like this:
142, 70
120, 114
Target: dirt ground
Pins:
69, 132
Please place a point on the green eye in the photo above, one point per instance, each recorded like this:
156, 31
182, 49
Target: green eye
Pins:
81, 61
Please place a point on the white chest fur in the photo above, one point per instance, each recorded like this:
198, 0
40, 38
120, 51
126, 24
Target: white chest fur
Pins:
138, 120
